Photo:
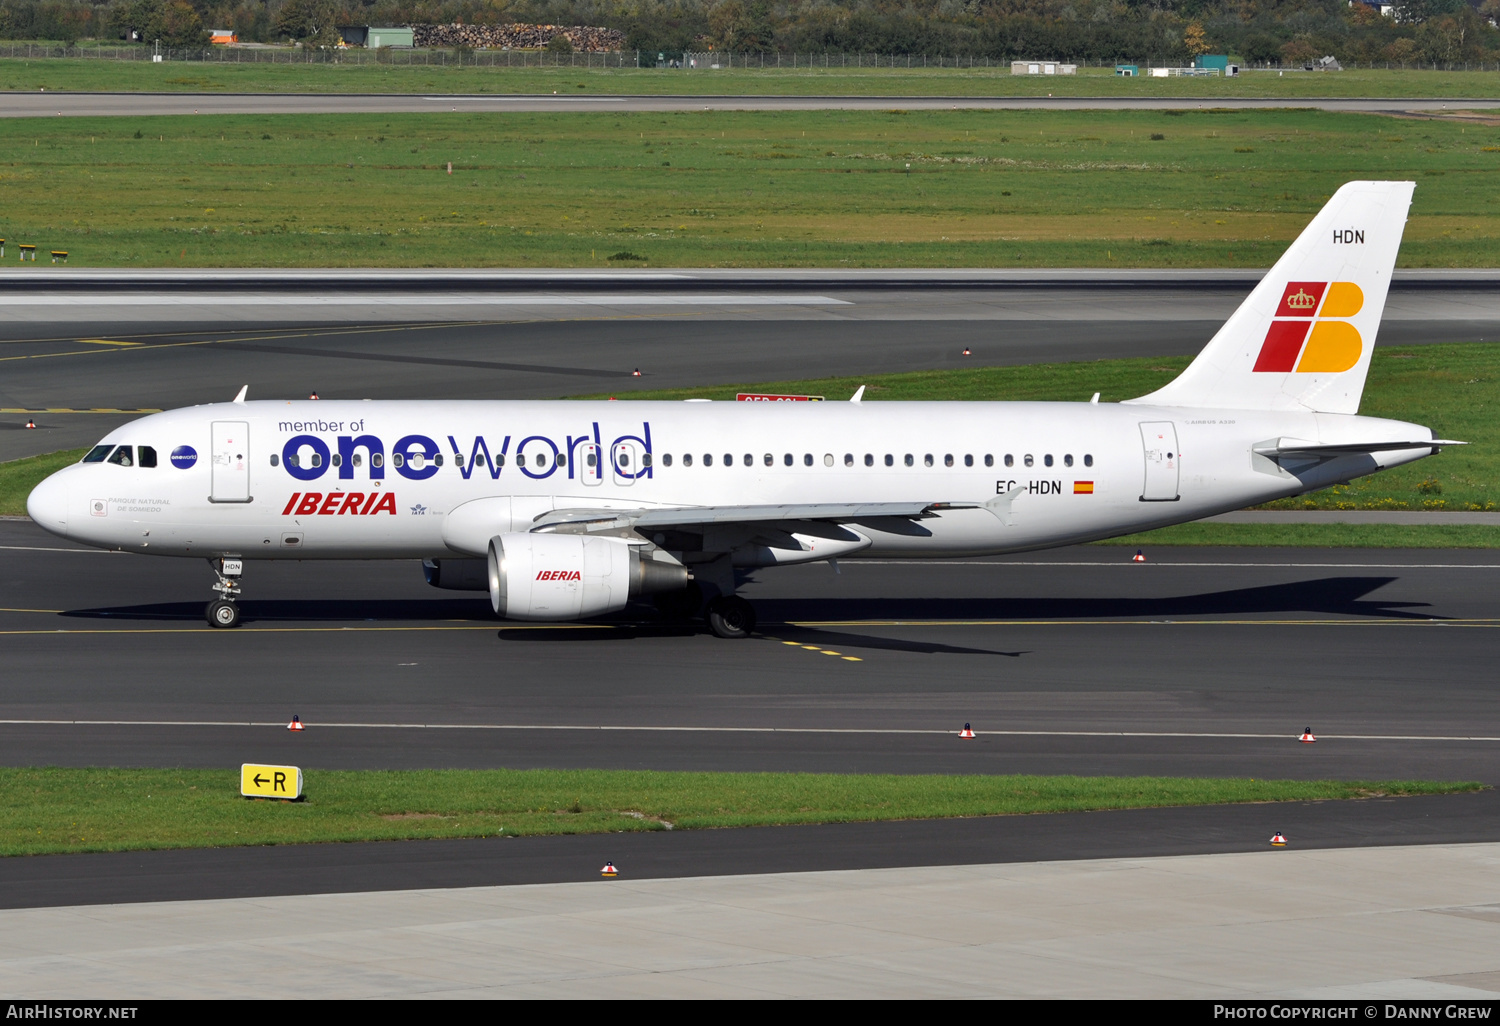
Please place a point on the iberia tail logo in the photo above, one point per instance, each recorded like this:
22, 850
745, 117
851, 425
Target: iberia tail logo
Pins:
1310, 334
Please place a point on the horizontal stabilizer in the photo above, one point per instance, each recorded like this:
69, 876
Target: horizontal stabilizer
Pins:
1302, 447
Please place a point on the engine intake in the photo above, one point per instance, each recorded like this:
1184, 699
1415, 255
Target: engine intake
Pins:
571, 576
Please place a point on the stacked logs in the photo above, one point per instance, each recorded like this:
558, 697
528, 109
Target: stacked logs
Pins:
516, 37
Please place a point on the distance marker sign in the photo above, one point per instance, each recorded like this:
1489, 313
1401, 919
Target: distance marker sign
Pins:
270, 781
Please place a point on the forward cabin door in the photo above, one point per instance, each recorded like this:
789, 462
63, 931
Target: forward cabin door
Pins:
230, 461
1159, 438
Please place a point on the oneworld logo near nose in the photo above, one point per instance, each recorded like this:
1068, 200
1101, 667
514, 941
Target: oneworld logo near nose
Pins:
184, 457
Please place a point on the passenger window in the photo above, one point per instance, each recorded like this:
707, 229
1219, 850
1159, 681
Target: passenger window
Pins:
358, 460
1010, 461
807, 459
848, 459
869, 459
787, 459
708, 460
749, 460
645, 460
97, 454
1028, 460
729, 459
397, 460
927, 460
121, 457
145, 456
499, 459
1088, 461
968, 459
687, 459
624, 459
828, 459
989, 460
1068, 460
770, 460
437, 460
317, 459
338, 460
948, 460
1047, 460
910, 460
666, 459
293, 460
562, 461
275, 459
890, 460
378, 460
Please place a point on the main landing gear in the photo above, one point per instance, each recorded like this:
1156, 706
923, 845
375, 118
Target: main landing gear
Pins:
730, 616
224, 611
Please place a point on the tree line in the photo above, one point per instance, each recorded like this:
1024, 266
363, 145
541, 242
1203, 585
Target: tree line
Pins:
1269, 31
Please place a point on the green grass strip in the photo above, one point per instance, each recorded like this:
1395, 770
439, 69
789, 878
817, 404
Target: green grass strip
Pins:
73, 810
19, 477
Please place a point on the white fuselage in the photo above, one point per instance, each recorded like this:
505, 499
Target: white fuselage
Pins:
258, 480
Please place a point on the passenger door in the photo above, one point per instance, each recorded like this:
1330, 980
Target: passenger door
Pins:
1159, 439
624, 461
230, 462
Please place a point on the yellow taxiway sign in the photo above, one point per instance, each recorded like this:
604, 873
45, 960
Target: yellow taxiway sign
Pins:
258, 781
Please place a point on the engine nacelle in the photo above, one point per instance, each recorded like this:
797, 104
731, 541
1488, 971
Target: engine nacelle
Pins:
571, 576
457, 574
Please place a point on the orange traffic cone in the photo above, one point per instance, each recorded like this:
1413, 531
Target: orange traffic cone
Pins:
609, 870
635, 373
313, 396
1139, 557
968, 731
1307, 736
966, 350
1278, 840
296, 724
31, 425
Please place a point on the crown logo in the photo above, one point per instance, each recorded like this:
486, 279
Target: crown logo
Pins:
1301, 301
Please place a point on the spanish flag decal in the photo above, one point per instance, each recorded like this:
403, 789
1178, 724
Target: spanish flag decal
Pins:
1083, 488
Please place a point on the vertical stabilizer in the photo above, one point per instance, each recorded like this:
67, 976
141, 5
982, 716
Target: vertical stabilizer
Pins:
1303, 339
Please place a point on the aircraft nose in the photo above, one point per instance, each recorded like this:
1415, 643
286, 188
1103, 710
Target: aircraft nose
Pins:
48, 504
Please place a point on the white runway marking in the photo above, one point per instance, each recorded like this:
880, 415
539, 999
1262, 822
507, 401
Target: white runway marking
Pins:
739, 730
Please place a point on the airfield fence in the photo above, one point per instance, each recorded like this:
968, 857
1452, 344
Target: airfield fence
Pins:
675, 60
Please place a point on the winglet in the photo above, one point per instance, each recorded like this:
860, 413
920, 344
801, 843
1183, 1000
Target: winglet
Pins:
241, 397
858, 395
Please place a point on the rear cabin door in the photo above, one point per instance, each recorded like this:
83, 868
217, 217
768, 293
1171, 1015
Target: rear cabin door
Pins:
1159, 438
230, 461
625, 461
587, 468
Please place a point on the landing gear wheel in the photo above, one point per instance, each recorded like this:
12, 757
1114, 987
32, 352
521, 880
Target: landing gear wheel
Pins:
221, 613
731, 617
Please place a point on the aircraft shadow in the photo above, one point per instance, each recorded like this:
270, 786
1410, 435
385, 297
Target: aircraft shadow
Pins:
1328, 596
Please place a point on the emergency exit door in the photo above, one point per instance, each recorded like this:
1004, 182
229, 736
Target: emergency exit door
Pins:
1159, 439
229, 459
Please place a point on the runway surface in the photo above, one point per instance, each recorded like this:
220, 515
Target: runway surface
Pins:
77, 104
83, 347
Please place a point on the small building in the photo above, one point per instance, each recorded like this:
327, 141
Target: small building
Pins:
1127, 70
1042, 68
354, 35
1217, 61
222, 37
389, 37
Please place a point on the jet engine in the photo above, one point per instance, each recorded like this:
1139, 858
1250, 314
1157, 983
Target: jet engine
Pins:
571, 576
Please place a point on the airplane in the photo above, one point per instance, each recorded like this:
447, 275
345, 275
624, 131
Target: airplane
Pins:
564, 510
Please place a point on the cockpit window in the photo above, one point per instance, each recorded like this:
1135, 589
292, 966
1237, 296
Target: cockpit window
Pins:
145, 456
97, 454
122, 457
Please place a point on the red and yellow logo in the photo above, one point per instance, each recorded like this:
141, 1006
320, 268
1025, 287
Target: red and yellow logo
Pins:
1309, 334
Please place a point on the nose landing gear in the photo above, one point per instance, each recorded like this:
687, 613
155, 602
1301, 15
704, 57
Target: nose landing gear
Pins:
223, 611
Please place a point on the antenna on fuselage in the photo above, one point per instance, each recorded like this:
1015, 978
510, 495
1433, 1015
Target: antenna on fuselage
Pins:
240, 398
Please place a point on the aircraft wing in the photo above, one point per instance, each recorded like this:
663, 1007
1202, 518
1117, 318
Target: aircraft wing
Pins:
691, 516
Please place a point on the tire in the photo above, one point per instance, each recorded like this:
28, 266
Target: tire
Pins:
222, 613
731, 617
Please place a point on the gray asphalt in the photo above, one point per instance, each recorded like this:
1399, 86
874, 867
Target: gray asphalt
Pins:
73, 104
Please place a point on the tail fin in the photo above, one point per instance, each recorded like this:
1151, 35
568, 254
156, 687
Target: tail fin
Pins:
1303, 339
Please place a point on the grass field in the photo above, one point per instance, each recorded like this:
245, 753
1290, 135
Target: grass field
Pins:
70, 810
97, 75
819, 188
